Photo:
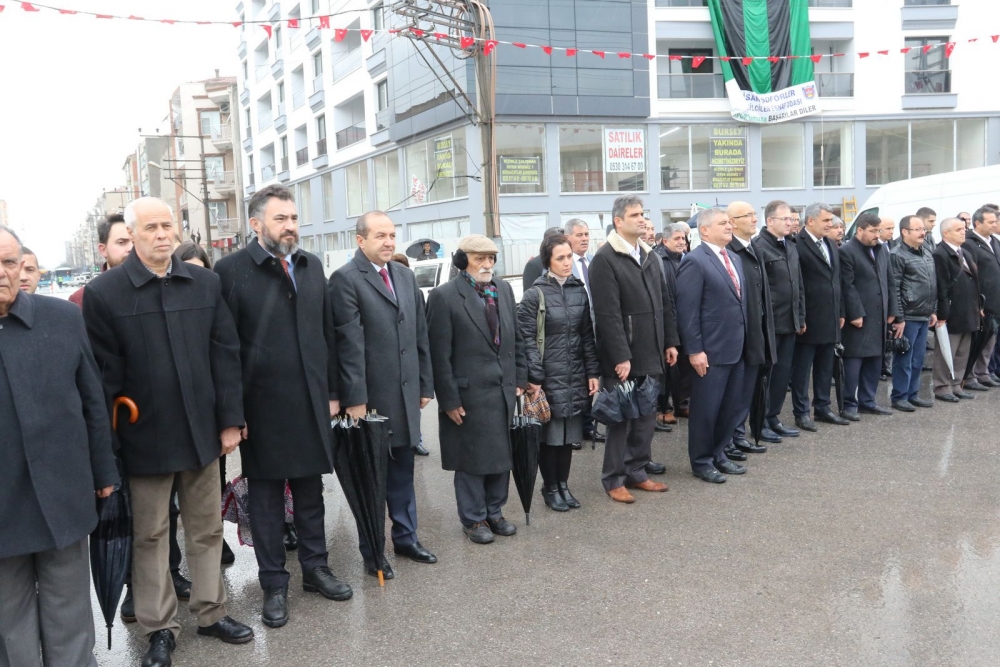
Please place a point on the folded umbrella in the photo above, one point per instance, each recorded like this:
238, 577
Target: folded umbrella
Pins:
838, 375
646, 396
625, 391
758, 404
525, 434
944, 348
607, 408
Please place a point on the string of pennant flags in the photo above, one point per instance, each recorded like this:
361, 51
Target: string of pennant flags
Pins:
489, 45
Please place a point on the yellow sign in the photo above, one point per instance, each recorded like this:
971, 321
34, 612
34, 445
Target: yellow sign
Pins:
728, 158
444, 158
518, 170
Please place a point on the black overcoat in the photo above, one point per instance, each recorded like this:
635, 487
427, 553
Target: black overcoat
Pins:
570, 357
55, 439
289, 361
988, 264
869, 290
382, 348
171, 346
760, 346
821, 284
471, 372
784, 275
958, 296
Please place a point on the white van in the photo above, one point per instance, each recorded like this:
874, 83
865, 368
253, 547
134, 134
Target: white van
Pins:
947, 194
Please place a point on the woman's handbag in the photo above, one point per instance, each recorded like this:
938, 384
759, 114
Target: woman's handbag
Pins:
538, 407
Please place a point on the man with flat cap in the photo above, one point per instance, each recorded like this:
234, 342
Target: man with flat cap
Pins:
479, 371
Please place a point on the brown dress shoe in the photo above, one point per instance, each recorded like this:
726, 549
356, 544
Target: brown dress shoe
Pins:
669, 418
650, 485
683, 412
621, 495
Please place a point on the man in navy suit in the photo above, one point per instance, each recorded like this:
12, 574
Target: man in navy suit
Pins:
712, 322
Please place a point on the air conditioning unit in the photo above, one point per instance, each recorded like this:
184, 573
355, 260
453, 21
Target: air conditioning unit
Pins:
224, 107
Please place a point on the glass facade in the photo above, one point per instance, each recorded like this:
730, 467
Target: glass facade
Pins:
357, 188
602, 158
782, 155
388, 193
833, 154
897, 150
437, 166
520, 152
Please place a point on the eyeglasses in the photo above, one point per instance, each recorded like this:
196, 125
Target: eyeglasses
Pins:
745, 215
964, 219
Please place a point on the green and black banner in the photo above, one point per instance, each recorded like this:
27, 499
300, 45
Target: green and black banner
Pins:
765, 50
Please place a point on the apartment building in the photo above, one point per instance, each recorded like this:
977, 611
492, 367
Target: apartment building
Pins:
353, 125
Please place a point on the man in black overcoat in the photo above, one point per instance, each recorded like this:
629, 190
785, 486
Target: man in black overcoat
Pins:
870, 302
479, 371
984, 248
760, 345
163, 336
385, 365
277, 295
814, 348
958, 308
55, 451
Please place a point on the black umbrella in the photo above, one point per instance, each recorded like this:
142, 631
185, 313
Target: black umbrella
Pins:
838, 375
607, 408
415, 249
979, 339
758, 404
111, 540
525, 433
361, 460
626, 396
647, 396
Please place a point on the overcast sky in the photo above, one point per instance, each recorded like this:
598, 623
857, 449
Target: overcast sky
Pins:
75, 89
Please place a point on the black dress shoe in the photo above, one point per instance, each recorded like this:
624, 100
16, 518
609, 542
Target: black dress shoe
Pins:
654, 468
291, 538
975, 386
947, 398
850, 415
161, 645
321, 580
567, 496
767, 435
274, 611
478, 533
576, 446
228, 557
874, 410
830, 418
553, 499
599, 437
416, 552
734, 454
228, 630
501, 527
806, 424
784, 431
964, 395
420, 450
730, 468
995, 378
921, 402
127, 610
904, 406
387, 572
748, 447
182, 587
711, 475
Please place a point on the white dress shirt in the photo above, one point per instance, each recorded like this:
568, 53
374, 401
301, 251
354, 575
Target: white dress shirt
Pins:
392, 285
718, 254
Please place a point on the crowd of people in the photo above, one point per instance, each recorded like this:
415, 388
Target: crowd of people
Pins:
260, 351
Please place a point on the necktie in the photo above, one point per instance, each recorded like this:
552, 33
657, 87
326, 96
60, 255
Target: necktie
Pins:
822, 250
385, 278
961, 260
871, 251
284, 265
732, 274
585, 271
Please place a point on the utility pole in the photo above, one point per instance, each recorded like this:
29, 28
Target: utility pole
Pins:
452, 23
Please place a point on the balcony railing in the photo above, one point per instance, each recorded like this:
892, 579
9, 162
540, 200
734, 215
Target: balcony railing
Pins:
227, 225
347, 64
264, 120
381, 119
690, 86
351, 135
830, 3
321, 147
928, 82
301, 157
284, 163
250, 178
267, 172
262, 70
835, 84
222, 133
318, 83
225, 180
682, 3
298, 97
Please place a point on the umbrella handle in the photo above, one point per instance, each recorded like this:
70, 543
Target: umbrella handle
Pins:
133, 411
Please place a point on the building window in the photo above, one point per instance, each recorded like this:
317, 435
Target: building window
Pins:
679, 79
246, 73
314, 5
703, 157
214, 167
382, 95
523, 227
357, 188
327, 184
602, 158
211, 123
329, 242
281, 92
378, 20
675, 157
926, 73
303, 199
283, 142
439, 229
970, 143
781, 151
833, 154
597, 222
886, 152
437, 169
277, 40
520, 158
388, 193
321, 134
317, 64
218, 210
932, 147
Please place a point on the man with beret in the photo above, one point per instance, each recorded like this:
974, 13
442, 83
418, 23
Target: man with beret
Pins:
479, 371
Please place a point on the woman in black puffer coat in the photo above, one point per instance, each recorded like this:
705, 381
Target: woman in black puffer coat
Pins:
569, 370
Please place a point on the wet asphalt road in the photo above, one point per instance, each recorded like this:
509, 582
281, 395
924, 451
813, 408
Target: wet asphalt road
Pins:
870, 544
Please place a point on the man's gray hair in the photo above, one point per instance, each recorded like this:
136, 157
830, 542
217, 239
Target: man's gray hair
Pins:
130, 214
17, 239
624, 203
812, 211
708, 216
676, 227
946, 224
361, 227
837, 222
571, 225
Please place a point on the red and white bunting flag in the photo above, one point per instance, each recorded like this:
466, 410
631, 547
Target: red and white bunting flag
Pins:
467, 42
339, 34
863, 54
167, 21
905, 50
107, 16
267, 29
416, 31
2, 7
293, 23
649, 56
623, 55
816, 57
725, 58
746, 61
994, 38
948, 48
773, 59
676, 57
133, 17
973, 40
928, 47
28, 7
489, 46
571, 52
599, 54
547, 49
439, 36
697, 61
884, 53
520, 45
324, 22
67, 11
365, 34
237, 24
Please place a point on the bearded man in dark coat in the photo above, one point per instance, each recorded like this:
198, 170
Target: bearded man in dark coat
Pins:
479, 371
277, 294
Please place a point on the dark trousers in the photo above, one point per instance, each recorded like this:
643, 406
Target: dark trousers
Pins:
750, 374
906, 367
266, 499
717, 400
678, 381
994, 358
817, 359
554, 463
481, 497
781, 375
627, 451
861, 376
401, 500
588, 422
